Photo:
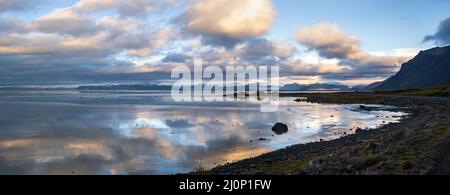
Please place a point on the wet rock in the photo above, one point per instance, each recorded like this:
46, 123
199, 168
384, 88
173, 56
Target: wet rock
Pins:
280, 128
367, 108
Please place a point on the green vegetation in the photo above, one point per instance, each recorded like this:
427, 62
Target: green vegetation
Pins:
438, 91
337, 98
285, 167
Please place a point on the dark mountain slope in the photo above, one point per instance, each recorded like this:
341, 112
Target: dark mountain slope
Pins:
428, 68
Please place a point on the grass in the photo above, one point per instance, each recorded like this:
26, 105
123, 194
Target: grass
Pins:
200, 169
285, 167
437, 91
337, 98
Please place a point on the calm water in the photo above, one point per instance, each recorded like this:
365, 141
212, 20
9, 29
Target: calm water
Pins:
136, 132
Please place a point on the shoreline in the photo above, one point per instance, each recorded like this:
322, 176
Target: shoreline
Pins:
417, 145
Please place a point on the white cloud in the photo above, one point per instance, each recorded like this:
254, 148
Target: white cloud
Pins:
222, 21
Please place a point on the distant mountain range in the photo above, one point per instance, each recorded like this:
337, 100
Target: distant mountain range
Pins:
126, 87
289, 87
429, 68
317, 87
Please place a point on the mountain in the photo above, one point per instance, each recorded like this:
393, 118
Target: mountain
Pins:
315, 87
373, 85
358, 87
126, 87
429, 68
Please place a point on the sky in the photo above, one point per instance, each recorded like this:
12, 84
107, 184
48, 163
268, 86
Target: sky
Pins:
79, 42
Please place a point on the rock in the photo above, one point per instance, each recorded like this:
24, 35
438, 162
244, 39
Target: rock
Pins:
366, 108
299, 172
359, 130
280, 128
252, 172
369, 173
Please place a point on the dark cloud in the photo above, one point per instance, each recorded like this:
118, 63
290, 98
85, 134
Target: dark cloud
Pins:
264, 52
84, 51
442, 35
64, 21
15, 5
8, 24
66, 69
175, 58
217, 40
142, 7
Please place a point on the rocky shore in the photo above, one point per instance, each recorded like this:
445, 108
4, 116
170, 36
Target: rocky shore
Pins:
418, 145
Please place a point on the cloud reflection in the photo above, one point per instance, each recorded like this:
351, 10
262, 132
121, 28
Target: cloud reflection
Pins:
38, 137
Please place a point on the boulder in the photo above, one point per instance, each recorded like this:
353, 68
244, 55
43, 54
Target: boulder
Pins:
280, 128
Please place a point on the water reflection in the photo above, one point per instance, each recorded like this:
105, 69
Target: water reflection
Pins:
145, 133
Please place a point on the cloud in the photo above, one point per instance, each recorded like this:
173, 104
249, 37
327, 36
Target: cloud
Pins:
330, 42
125, 33
256, 48
111, 34
63, 21
120, 40
39, 51
15, 5
262, 51
126, 8
300, 68
141, 7
8, 24
95, 5
228, 21
45, 44
442, 35
175, 57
